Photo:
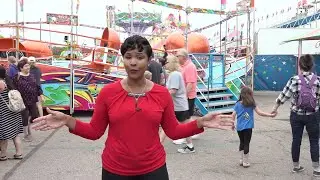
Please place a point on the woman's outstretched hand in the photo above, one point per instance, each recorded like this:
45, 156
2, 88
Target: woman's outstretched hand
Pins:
218, 121
53, 120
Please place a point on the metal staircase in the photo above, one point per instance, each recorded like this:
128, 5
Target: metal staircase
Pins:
212, 93
217, 99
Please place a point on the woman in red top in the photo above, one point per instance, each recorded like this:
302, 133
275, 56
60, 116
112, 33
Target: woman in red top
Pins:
133, 108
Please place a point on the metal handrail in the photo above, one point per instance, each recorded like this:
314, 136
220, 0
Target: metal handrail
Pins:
9, 51
203, 95
240, 69
235, 86
201, 69
238, 77
96, 73
207, 86
231, 72
202, 81
197, 62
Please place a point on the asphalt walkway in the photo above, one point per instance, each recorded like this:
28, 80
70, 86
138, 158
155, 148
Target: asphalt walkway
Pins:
58, 155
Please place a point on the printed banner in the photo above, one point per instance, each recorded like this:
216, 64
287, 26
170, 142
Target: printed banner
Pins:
223, 4
178, 7
62, 19
207, 11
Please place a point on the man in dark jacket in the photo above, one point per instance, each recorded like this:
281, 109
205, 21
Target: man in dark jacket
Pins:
164, 76
36, 72
156, 69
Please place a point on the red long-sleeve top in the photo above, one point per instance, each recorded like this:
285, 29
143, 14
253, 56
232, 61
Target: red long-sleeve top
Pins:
133, 146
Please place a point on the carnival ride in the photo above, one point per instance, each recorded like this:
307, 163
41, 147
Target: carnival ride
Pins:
90, 73
160, 31
28, 48
216, 91
141, 21
197, 43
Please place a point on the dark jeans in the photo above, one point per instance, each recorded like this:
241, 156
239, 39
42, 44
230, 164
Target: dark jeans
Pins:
312, 126
182, 115
30, 111
191, 106
245, 138
158, 174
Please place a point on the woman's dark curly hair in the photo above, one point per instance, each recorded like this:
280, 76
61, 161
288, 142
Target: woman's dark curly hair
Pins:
21, 63
136, 42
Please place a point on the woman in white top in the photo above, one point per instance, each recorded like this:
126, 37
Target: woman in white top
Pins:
176, 87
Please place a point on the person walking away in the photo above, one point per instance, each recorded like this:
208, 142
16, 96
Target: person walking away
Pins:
163, 62
176, 87
30, 91
156, 70
36, 72
243, 111
305, 90
164, 77
13, 69
165, 54
10, 122
189, 74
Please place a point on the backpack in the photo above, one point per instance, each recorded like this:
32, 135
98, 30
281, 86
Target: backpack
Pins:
15, 101
307, 99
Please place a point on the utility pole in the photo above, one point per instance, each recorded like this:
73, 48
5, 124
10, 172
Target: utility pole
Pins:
17, 29
187, 24
71, 64
131, 28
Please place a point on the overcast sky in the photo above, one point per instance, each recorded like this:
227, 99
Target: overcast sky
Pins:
92, 12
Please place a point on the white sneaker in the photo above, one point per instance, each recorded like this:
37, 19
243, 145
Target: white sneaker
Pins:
186, 150
241, 158
179, 141
195, 136
246, 162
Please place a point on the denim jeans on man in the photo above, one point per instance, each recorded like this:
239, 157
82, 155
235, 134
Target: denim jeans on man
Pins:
311, 122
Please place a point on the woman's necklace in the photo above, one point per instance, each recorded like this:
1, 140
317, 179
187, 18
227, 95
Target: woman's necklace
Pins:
137, 96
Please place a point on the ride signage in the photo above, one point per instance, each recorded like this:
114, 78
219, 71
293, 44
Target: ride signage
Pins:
62, 19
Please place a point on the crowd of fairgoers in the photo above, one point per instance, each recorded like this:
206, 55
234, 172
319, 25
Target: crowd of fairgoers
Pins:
22, 76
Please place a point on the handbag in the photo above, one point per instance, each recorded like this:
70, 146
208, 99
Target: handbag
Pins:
16, 103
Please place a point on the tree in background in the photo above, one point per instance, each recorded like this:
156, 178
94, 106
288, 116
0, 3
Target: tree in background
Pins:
57, 50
